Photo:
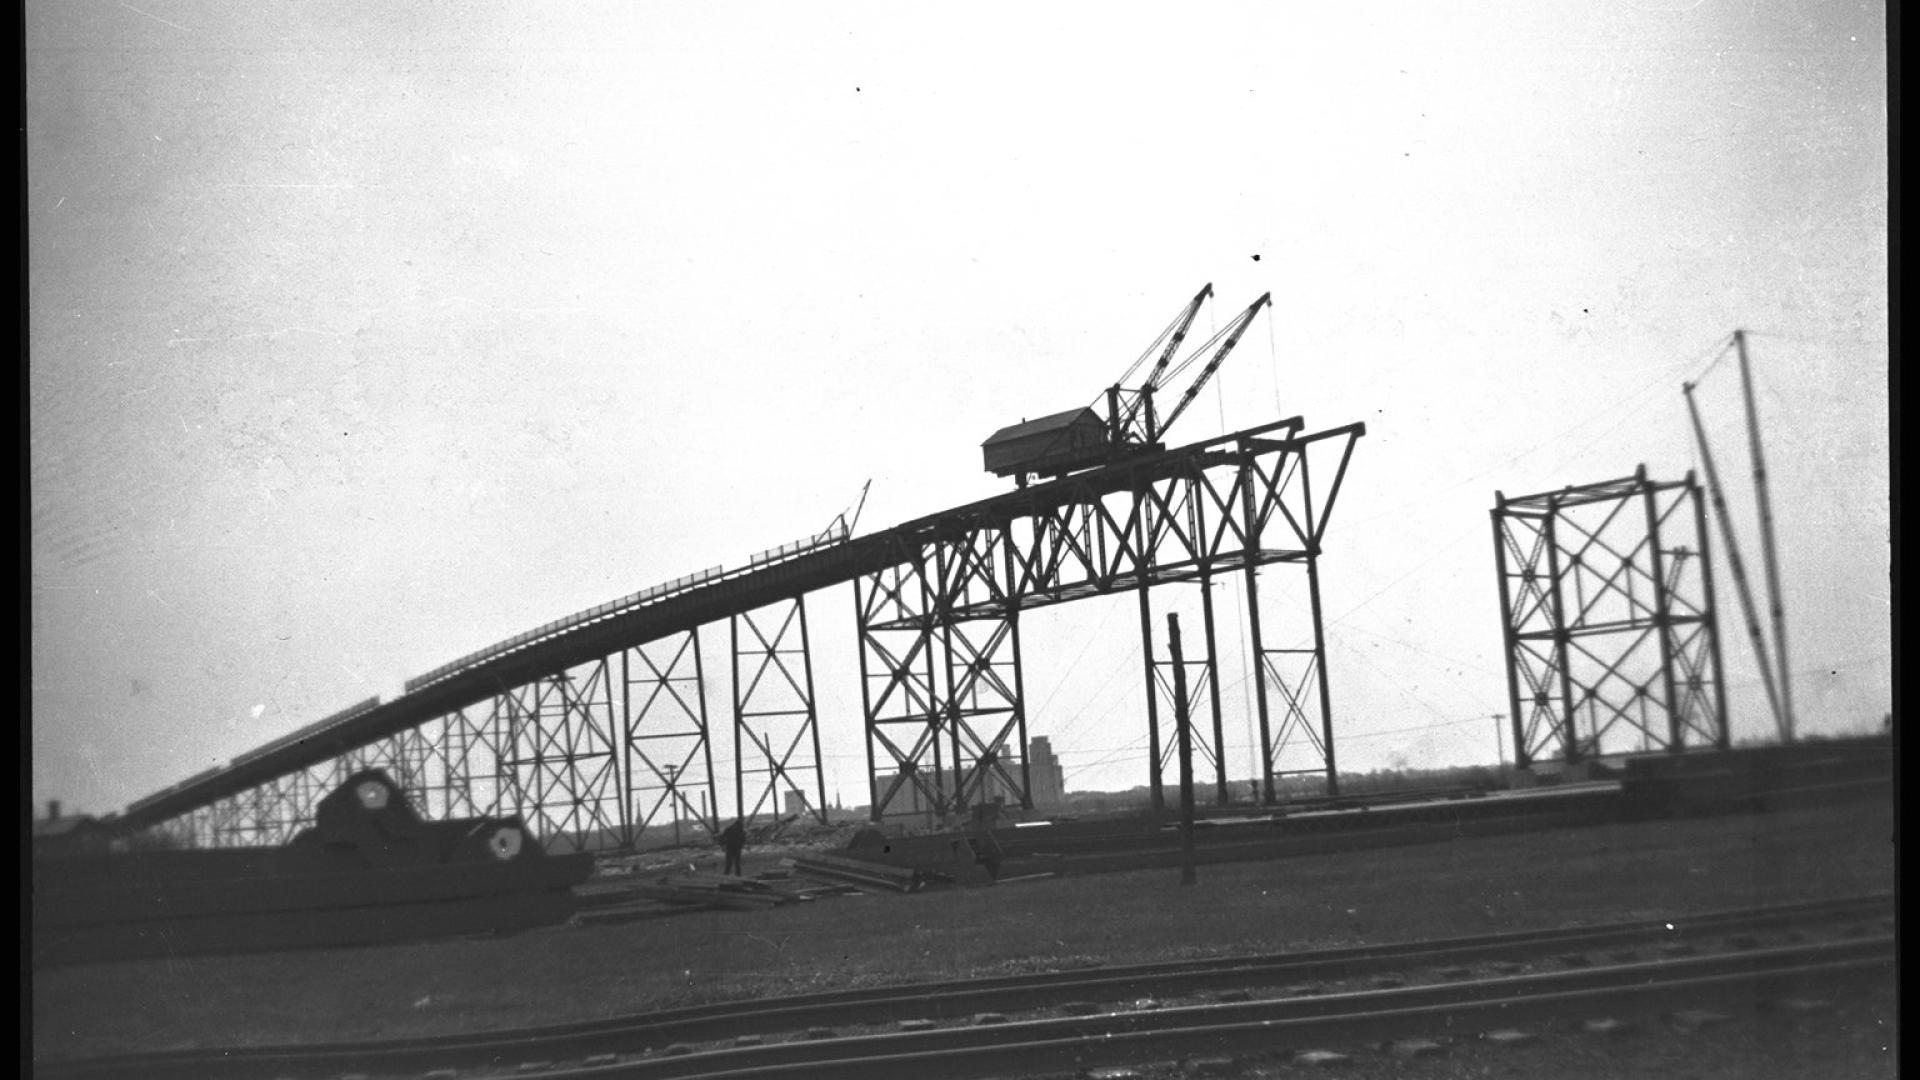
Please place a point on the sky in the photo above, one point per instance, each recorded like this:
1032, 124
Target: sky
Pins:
365, 335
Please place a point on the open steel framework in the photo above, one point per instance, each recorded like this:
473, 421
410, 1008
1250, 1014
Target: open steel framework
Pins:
939, 626
776, 732
1612, 641
595, 729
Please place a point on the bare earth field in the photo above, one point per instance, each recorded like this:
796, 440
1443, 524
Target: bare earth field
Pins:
557, 974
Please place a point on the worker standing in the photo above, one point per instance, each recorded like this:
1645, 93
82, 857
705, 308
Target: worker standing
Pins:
734, 838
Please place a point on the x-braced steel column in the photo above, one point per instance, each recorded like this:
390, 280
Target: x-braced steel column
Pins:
893, 611
665, 748
572, 763
1556, 579
1588, 589
1145, 537
1276, 488
984, 706
776, 716
1663, 620
1213, 693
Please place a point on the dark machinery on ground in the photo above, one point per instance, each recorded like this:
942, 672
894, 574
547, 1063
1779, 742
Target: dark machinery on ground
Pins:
369, 870
1082, 438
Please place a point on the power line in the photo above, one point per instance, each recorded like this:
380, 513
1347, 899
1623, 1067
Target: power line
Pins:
1411, 730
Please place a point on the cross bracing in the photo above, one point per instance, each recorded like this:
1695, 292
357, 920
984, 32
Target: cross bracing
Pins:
1611, 633
596, 728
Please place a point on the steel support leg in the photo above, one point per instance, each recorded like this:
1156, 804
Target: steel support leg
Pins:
904, 715
665, 748
776, 728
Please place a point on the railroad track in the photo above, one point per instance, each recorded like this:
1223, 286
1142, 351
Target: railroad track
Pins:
1020, 1025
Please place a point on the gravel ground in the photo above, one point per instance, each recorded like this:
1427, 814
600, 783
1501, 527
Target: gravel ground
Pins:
1855, 1038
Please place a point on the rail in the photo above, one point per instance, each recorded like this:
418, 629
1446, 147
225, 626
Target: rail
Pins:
799, 1032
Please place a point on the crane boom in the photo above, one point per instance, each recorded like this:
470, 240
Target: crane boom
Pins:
1179, 335
1234, 330
1125, 420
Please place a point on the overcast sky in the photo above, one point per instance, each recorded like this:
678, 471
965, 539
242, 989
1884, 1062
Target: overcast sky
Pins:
366, 335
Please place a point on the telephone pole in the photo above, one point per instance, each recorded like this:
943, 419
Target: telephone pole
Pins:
1185, 729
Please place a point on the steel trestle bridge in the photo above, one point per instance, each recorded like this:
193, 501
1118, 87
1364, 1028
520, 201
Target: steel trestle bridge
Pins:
596, 726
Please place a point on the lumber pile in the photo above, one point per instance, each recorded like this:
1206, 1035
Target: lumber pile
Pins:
860, 873
714, 891
951, 858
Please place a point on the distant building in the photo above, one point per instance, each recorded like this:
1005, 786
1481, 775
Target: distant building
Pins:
1045, 779
797, 803
911, 800
73, 834
1047, 784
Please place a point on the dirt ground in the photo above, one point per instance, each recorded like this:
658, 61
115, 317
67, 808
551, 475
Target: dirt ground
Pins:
558, 974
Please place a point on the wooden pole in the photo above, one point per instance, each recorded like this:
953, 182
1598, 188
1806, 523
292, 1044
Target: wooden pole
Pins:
1185, 726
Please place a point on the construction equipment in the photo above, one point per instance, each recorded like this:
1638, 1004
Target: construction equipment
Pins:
1082, 438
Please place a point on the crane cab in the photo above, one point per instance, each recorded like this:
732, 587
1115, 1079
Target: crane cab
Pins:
1049, 446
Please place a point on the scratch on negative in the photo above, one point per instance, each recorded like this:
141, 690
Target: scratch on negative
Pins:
263, 333
154, 17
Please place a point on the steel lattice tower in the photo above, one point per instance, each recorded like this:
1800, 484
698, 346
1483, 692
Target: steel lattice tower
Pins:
1606, 598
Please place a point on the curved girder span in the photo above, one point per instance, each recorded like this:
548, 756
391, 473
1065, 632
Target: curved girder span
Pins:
937, 602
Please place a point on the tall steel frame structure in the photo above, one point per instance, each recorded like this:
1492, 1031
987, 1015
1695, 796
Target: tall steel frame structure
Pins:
1189, 516
776, 732
1607, 606
594, 729
665, 749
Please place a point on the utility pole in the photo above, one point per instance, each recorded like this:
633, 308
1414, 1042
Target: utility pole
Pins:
1184, 725
1767, 552
673, 799
1499, 740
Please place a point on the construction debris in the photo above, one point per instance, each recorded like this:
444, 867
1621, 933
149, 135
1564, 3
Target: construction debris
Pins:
839, 869
954, 858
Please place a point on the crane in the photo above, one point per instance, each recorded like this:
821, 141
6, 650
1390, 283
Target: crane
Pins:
1080, 438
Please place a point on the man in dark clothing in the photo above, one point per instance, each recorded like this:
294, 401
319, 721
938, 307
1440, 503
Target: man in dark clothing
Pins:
734, 838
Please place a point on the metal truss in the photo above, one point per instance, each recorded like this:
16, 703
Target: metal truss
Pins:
545, 751
592, 753
905, 717
560, 759
457, 772
1612, 641
1289, 638
1170, 520
1189, 516
776, 734
276, 811
666, 752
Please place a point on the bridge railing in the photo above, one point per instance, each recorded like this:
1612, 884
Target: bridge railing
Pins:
558, 626
834, 534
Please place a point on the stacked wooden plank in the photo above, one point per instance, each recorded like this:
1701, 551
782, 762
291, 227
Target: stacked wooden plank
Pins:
638, 899
858, 872
951, 858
